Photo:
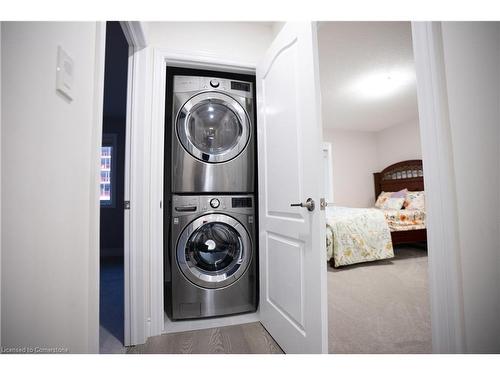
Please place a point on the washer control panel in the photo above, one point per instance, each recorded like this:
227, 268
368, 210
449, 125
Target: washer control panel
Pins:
183, 205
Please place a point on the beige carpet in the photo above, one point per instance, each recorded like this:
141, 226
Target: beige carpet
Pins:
381, 307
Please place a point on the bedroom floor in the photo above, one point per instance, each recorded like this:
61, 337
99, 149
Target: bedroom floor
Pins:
381, 307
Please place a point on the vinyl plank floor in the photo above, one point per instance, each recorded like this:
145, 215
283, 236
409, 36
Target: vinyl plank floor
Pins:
249, 338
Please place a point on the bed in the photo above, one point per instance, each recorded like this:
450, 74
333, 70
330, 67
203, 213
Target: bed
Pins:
356, 235
403, 175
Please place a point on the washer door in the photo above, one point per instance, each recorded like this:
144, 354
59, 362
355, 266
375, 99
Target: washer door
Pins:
213, 127
214, 251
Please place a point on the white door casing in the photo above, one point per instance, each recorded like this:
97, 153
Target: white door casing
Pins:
328, 171
292, 249
136, 179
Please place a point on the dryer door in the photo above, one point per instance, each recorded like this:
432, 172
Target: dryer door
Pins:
214, 251
213, 127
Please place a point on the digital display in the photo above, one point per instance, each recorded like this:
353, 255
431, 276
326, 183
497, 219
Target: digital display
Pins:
241, 202
241, 86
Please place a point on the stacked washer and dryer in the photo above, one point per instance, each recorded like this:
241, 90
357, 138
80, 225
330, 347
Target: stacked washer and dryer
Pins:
211, 257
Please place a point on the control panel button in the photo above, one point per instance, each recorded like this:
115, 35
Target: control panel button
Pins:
214, 83
214, 203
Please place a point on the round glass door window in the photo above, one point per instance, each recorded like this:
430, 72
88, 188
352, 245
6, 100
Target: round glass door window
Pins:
213, 247
213, 251
213, 127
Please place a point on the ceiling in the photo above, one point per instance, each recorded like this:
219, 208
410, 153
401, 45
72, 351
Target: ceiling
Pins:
353, 56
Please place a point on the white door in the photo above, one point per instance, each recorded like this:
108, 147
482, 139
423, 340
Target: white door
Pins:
292, 248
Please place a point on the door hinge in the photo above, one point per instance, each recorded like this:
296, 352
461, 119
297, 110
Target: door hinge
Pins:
322, 204
126, 205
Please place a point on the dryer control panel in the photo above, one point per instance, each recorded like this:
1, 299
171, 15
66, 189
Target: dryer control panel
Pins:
234, 87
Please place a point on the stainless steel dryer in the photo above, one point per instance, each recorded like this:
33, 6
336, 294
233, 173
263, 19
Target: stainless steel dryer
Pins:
212, 259
213, 135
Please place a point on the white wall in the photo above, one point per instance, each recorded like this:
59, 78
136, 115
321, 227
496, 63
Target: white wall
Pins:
359, 154
354, 162
242, 42
398, 143
47, 217
472, 64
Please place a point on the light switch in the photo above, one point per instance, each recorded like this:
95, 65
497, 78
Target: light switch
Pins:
64, 73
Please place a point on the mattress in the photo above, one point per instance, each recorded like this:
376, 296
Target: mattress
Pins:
401, 220
355, 235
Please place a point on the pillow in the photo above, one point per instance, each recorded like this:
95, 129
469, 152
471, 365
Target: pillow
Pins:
415, 200
386, 195
383, 196
393, 203
400, 194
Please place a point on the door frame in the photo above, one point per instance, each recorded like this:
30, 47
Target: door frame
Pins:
0, 183
135, 220
327, 146
94, 190
444, 270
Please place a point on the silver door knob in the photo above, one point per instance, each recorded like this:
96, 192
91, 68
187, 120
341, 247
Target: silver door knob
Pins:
309, 204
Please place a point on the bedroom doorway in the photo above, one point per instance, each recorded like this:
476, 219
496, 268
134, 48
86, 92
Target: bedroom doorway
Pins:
378, 289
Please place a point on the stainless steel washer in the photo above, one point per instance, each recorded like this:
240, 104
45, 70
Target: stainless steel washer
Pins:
212, 258
213, 135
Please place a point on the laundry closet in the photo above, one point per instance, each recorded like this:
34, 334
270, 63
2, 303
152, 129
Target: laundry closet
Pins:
210, 226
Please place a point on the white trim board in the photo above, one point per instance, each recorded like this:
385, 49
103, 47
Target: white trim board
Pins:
136, 241
0, 184
135, 34
191, 325
95, 207
327, 146
161, 59
445, 283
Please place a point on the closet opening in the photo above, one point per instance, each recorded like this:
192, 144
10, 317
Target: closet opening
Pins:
378, 295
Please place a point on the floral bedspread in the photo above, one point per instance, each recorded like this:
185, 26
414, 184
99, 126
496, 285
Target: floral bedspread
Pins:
400, 220
355, 235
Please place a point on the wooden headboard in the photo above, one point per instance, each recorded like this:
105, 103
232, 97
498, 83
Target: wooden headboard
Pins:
405, 174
